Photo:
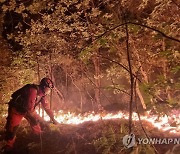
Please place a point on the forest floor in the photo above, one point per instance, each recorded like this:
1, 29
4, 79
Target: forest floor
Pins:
103, 136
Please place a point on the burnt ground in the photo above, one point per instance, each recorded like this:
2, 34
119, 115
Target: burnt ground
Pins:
104, 136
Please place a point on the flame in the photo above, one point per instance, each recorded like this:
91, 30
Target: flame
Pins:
163, 123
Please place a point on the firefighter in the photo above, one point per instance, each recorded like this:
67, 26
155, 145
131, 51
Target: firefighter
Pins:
22, 105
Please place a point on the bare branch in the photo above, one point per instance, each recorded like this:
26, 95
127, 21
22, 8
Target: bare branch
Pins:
156, 30
134, 23
135, 76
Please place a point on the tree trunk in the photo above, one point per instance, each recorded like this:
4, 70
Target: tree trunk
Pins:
96, 61
165, 67
145, 77
140, 95
51, 74
67, 84
131, 77
38, 78
80, 92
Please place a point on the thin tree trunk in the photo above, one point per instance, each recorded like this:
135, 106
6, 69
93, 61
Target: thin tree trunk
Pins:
96, 62
50, 58
140, 95
131, 78
81, 99
145, 78
165, 67
38, 73
67, 84
59, 93
92, 99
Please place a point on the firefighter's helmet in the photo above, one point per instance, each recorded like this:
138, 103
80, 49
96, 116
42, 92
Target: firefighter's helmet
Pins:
46, 82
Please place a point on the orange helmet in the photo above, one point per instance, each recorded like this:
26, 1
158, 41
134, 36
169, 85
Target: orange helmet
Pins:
46, 82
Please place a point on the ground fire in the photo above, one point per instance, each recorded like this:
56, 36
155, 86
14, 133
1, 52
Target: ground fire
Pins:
163, 123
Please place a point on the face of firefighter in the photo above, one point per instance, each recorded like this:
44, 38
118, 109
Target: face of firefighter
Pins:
47, 90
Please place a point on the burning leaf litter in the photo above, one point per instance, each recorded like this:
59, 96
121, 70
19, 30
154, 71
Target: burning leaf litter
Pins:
163, 123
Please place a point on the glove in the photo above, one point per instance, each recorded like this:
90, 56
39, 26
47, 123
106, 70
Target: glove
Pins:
55, 122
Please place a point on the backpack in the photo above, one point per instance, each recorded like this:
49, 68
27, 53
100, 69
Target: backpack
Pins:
19, 98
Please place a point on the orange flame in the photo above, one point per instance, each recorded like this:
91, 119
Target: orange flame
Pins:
162, 122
